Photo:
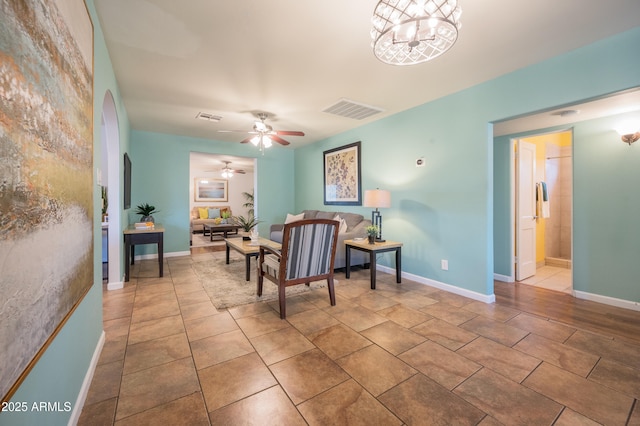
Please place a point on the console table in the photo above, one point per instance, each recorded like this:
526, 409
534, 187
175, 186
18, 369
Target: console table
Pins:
134, 237
373, 249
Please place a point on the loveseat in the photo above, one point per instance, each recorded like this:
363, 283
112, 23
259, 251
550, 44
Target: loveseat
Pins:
355, 227
206, 214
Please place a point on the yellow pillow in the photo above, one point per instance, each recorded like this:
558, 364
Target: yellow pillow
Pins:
203, 212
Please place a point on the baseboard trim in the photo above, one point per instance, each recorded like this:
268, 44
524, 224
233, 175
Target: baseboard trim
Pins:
606, 300
86, 383
155, 255
118, 285
503, 278
486, 298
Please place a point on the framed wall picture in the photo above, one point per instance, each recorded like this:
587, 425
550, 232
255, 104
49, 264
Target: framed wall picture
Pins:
47, 177
342, 180
207, 189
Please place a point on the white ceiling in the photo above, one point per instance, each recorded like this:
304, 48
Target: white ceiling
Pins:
293, 59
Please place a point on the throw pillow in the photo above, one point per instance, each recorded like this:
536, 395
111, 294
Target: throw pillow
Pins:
214, 213
293, 218
343, 224
203, 212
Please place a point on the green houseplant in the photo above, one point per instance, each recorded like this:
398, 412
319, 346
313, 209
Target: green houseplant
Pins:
145, 211
246, 224
372, 233
225, 216
105, 203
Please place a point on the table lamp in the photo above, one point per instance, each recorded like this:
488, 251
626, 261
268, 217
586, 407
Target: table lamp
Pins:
377, 198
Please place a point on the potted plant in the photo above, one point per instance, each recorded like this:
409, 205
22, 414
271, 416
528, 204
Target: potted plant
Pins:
372, 233
105, 204
249, 204
145, 211
225, 216
246, 224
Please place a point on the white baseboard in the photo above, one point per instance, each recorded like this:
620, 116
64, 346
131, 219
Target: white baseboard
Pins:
86, 383
503, 278
155, 255
620, 303
115, 285
486, 298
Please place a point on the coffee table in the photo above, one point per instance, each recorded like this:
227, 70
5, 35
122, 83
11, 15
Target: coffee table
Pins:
224, 228
248, 249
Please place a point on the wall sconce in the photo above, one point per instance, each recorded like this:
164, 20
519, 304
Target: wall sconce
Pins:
377, 198
628, 132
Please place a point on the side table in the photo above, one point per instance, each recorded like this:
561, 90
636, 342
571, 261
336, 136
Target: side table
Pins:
133, 237
374, 249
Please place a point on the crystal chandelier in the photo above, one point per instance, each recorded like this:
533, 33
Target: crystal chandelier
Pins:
407, 32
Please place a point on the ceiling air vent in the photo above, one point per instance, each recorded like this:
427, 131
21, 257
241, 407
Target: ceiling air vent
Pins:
208, 117
351, 109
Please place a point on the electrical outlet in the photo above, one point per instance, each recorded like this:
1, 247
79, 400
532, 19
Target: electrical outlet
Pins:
444, 264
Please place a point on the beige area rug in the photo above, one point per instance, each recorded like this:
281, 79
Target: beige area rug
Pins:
227, 287
197, 240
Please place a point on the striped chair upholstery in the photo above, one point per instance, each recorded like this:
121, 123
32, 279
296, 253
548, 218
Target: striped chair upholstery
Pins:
307, 254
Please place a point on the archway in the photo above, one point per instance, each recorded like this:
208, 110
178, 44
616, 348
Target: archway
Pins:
110, 140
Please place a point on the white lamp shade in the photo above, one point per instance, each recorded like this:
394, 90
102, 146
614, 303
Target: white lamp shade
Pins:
377, 198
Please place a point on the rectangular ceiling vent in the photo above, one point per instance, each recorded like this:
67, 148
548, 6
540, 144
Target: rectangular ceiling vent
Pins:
208, 117
352, 109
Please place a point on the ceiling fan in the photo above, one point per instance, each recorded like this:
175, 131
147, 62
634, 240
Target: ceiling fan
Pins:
228, 172
263, 134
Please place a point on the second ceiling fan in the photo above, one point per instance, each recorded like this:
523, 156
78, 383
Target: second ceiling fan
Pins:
263, 134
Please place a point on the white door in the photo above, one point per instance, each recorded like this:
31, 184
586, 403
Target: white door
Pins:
525, 210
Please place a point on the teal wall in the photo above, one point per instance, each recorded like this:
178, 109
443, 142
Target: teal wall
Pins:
445, 211
160, 175
59, 373
606, 209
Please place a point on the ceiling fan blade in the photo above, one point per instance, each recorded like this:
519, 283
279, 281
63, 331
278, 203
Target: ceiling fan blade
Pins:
279, 140
245, 140
289, 133
240, 172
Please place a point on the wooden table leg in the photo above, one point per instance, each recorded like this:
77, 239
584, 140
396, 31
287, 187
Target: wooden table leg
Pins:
398, 265
347, 272
160, 254
372, 260
247, 262
227, 258
127, 254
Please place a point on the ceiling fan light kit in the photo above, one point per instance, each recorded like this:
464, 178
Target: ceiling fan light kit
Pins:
228, 172
265, 135
407, 32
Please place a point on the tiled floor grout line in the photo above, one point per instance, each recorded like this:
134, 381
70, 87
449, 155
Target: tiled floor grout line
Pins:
481, 317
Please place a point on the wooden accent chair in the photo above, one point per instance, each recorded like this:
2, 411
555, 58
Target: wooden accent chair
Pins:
308, 254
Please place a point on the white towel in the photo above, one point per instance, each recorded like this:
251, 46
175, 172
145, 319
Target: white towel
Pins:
542, 200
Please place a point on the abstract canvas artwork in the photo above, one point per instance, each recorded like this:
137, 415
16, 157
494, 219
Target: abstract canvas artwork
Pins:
342, 175
46, 175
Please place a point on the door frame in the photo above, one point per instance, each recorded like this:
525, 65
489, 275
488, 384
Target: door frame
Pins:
511, 278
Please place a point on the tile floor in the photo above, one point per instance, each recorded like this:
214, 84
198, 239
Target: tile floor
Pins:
551, 278
402, 354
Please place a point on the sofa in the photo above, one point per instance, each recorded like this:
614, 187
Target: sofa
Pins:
356, 226
206, 214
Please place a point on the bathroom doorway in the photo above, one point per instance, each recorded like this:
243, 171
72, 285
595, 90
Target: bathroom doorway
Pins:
553, 211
